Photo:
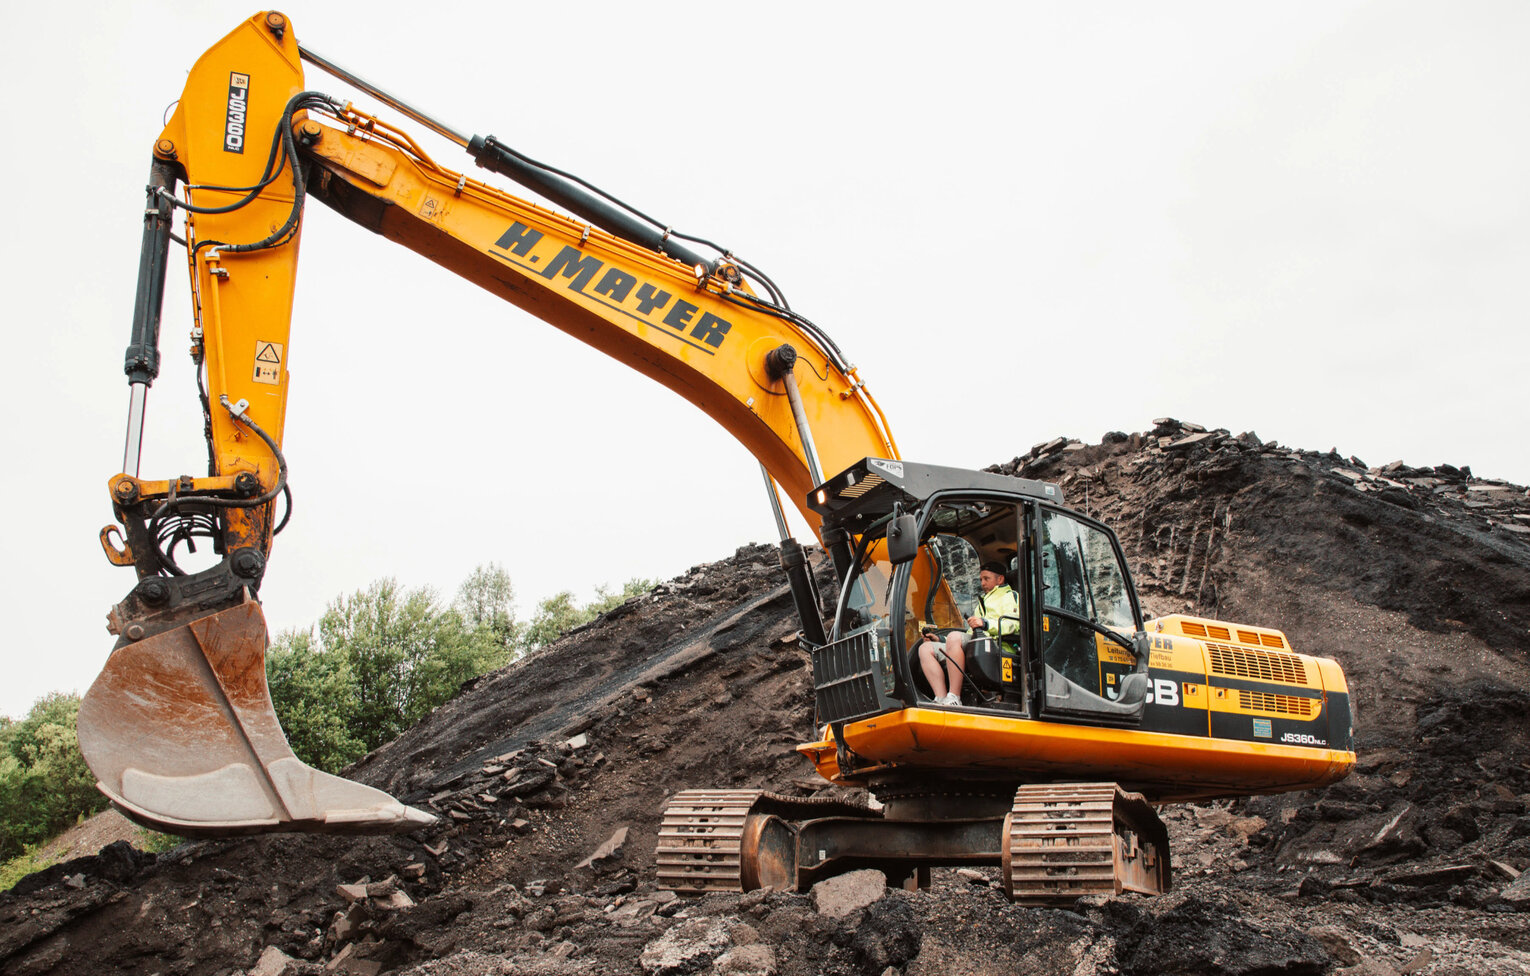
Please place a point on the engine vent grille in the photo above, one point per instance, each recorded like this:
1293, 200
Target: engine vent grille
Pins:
1214, 632
1193, 629
1282, 704
1238, 662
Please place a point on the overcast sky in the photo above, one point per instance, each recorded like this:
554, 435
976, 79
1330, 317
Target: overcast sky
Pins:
1304, 219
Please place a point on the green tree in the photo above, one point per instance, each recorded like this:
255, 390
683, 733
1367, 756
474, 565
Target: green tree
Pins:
44, 783
486, 599
376, 663
554, 617
605, 600
559, 613
380, 659
313, 698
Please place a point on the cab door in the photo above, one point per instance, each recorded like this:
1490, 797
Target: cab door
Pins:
1088, 626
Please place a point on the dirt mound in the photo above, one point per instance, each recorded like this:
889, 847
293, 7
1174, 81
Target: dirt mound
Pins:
550, 774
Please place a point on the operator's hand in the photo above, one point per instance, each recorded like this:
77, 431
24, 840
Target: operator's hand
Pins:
974, 622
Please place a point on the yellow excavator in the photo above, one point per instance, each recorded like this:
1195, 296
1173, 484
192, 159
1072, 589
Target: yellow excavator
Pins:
1065, 720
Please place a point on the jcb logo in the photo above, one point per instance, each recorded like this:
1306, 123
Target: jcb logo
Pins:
1162, 691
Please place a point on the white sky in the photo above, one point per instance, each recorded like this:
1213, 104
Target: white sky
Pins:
1305, 219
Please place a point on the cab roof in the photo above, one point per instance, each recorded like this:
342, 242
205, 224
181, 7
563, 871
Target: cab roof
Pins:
868, 489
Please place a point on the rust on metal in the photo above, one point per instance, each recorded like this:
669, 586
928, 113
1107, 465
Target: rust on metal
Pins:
181, 734
701, 841
1065, 840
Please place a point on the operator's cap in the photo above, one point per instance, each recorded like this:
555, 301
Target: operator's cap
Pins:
995, 567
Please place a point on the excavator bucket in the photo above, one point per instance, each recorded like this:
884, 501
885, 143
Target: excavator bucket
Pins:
180, 732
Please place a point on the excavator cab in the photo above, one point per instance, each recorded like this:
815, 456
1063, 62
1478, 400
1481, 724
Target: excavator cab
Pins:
1074, 652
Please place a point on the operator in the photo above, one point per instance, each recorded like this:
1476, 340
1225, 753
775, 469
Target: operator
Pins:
998, 612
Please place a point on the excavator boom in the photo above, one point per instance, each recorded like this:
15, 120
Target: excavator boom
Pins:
179, 728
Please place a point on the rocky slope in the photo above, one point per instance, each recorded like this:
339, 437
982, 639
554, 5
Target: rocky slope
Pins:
550, 774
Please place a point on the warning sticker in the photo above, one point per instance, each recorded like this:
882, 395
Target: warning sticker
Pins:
268, 362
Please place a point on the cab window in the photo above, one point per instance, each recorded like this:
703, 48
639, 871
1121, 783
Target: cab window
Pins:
1081, 575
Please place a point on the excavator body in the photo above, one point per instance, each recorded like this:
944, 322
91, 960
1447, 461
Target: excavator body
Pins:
1075, 715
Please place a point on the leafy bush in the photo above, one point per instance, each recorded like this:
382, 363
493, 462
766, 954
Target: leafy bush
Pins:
377, 662
44, 783
559, 613
381, 659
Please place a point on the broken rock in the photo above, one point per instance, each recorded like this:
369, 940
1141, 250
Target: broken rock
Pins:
749, 960
1337, 942
273, 962
348, 963
605, 854
347, 924
842, 894
351, 892
688, 947
1517, 895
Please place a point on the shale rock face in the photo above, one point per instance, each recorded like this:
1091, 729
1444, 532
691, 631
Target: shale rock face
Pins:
549, 775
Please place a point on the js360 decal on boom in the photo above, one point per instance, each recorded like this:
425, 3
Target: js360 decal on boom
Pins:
1074, 713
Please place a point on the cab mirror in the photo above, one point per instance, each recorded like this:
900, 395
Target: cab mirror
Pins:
902, 540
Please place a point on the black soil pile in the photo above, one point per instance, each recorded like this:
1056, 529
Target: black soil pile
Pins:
549, 775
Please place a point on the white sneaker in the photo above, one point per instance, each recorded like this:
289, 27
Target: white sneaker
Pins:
949, 698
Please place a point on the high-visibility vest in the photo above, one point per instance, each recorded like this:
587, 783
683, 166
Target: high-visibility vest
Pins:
1000, 602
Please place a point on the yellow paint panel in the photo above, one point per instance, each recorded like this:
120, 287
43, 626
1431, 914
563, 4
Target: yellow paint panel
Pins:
1165, 767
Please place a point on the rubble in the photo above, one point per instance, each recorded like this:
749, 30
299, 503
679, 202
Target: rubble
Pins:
549, 775
838, 896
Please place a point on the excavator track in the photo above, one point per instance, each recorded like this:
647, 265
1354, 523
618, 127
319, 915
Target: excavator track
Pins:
1065, 840
700, 840
715, 840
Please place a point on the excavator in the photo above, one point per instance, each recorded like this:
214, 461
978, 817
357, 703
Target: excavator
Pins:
1076, 716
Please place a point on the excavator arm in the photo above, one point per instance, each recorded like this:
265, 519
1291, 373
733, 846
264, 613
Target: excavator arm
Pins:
179, 727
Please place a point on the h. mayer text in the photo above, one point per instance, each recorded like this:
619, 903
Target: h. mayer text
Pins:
588, 275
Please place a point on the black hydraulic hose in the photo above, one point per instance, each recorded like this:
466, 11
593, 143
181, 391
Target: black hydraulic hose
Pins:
281, 476
281, 464
287, 514
669, 232
267, 177
819, 337
299, 183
